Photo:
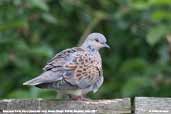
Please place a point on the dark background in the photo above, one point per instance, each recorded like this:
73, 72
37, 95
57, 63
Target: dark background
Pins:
138, 63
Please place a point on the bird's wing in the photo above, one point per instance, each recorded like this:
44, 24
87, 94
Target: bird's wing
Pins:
54, 70
61, 58
98, 83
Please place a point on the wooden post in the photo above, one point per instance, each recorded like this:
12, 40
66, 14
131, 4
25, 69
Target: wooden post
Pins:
116, 106
151, 105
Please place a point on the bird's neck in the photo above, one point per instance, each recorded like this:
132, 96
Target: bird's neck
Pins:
89, 48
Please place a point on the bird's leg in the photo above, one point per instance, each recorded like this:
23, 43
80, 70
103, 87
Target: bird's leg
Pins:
79, 98
84, 98
76, 98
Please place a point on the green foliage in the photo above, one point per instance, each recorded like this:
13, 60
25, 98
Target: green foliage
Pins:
138, 63
155, 34
41, 4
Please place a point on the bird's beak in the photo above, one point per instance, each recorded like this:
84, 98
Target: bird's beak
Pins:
106, 45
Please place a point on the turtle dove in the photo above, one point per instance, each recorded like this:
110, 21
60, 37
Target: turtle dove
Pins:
75, 71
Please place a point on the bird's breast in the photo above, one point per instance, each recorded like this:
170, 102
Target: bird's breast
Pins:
90, 60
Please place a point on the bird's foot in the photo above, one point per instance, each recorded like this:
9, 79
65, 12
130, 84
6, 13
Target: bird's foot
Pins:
79, 98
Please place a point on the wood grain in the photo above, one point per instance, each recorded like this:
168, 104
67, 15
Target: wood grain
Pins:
115, 106
151, 105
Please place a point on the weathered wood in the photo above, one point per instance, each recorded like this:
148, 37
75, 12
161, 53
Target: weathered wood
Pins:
151, 105
116, 106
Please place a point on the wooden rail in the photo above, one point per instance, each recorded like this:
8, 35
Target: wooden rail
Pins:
138, 105
151, 105
117, 106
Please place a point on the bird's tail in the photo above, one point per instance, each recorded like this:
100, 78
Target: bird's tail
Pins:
45, 77
37, 80
32, 82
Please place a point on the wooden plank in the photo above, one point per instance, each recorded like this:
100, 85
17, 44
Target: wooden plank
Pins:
115, 106
151, 105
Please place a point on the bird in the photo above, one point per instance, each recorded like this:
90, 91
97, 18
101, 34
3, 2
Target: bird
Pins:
74, 71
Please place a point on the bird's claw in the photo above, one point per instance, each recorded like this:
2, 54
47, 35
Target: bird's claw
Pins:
79, 98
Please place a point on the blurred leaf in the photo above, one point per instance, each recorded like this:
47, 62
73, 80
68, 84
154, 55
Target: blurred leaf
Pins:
139, 4
135, 86
160, 2
21, 46
39, 93
34, 92
39, 4
161, 15
19, 94
134, 65
43, 51
4, 59
49, 18
156, 34
13, 25
164, 56
17, 2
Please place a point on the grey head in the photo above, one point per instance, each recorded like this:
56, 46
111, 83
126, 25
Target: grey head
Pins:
95, 41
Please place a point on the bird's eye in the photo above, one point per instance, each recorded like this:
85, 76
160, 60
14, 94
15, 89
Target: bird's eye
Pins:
96, 40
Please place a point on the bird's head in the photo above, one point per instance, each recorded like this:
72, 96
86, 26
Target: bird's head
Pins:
96, 41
